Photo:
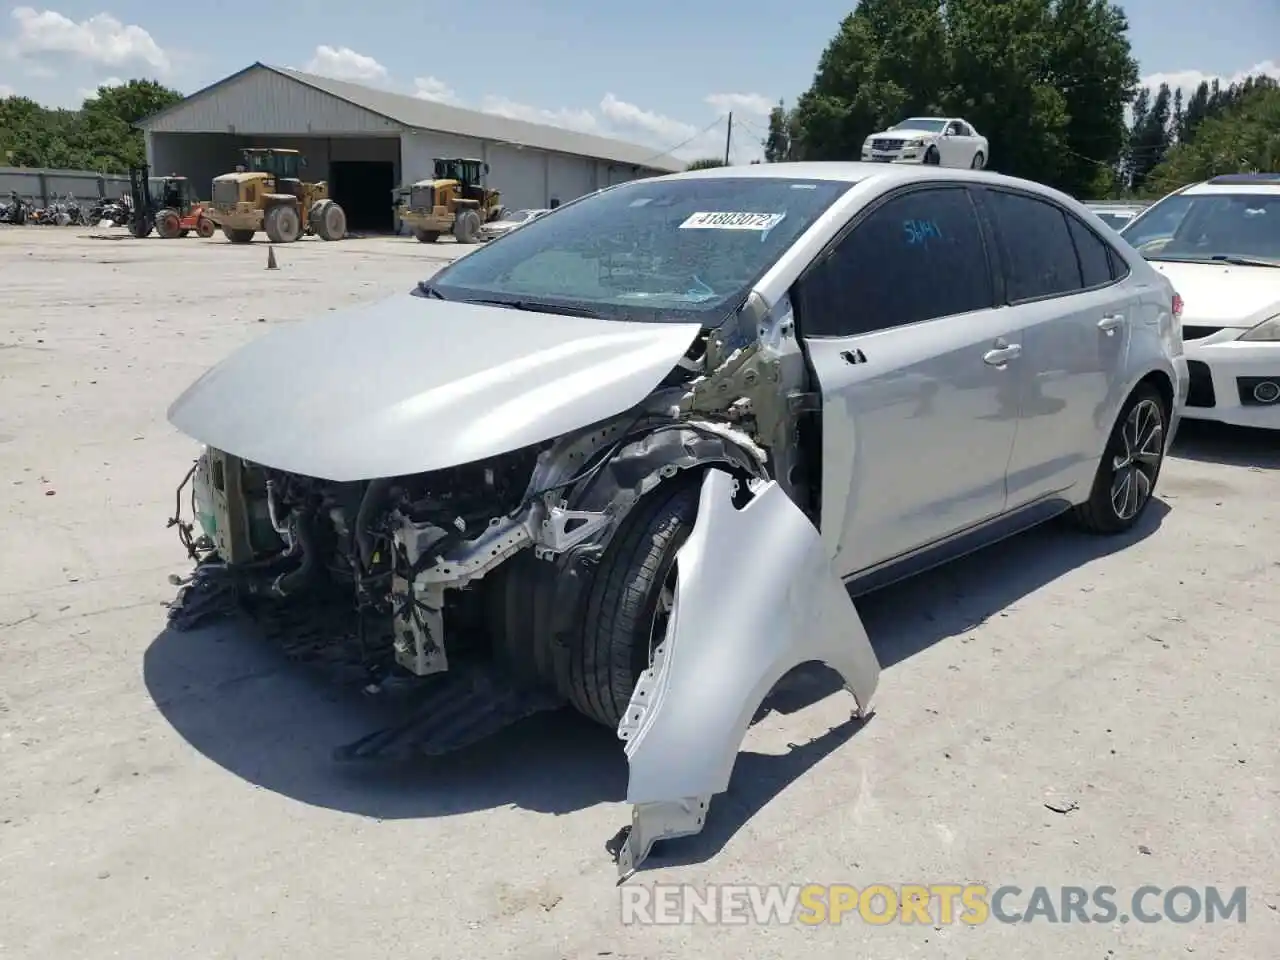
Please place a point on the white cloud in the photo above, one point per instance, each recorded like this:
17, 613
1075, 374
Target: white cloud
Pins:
101, 39
621, 120
1188, 80
755, 103
429, 88
343, 63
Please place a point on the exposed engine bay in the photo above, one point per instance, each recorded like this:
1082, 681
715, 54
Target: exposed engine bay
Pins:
485, 569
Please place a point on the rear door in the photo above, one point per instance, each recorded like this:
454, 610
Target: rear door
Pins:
1060, 282
917, 370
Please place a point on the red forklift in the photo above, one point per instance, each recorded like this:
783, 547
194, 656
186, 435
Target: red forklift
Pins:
171, 210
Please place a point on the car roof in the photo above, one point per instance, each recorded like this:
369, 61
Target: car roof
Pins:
887, 175
1237, 184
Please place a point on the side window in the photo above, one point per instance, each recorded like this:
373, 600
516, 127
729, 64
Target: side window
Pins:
1040, 259
1095, 256
918, 257
955, 130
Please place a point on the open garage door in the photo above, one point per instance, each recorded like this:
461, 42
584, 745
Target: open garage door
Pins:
363, 189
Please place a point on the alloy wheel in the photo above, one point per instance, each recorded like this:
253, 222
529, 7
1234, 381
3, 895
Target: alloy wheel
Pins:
1134, 469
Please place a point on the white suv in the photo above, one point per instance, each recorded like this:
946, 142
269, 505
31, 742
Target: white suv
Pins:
1219, 243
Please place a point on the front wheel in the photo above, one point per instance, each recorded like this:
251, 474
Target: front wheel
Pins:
427, 236
932, 157
1126, 477
630, 599
466, 226
282, 223
979, 161
237, 236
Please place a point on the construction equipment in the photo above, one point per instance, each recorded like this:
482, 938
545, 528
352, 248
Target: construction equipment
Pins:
455, 201
170, 209
267, 192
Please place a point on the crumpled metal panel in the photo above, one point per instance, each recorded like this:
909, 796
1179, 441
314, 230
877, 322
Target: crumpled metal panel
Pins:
755, 597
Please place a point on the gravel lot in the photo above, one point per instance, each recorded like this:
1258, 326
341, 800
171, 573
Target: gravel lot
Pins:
172, 795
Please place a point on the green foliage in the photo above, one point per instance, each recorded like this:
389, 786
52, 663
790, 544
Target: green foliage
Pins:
1046, 81
98, 136
706, 163
1241, 137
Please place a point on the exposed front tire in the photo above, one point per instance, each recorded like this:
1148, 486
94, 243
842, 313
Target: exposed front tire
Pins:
282, 224
204, 228
979, 161
1130, 466
427, 236
629, 601
932, 157
237, 236
168, 224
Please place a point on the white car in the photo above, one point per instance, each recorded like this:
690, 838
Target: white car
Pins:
510, 221
1219, 243
1117, 216
939, 141
634, 456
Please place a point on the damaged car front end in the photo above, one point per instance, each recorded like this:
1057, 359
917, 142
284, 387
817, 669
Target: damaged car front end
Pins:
579, 465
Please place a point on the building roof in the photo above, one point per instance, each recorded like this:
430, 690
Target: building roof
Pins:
416, 113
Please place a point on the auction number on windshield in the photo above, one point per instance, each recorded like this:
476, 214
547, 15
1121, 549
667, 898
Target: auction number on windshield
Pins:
732, 221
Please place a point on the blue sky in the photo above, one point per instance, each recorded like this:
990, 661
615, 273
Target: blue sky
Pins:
662, 73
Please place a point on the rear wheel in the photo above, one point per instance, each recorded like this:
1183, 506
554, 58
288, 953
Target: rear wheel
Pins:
427, 236
466, 226
1130, 467
979, 161
237, 236
282, 223
141, 228
629, 602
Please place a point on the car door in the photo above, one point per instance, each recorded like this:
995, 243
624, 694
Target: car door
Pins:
1059, 281
955, 146
916, 368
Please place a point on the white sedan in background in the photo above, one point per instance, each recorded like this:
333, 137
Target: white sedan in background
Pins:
1219, 243
509, 221
939, 141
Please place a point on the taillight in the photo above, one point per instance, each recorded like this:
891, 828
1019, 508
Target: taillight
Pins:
1177, 307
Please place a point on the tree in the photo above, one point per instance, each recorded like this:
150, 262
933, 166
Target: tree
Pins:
1244, 137
98, 136
777, 146
1149, 141
706, 163
1046, 81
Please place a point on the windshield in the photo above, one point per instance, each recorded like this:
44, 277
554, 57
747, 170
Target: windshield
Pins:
1209, 227
651, 250
921, 123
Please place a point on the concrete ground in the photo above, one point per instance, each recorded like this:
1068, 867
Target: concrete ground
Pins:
172, 795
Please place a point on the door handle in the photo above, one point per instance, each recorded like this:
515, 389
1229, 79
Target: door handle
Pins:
1002, 355
1109, 325
854, 356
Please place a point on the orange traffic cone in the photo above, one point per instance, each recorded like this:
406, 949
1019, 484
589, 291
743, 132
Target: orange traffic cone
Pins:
271, 258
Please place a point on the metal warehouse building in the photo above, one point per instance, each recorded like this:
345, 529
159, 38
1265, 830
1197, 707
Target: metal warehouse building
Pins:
366, 142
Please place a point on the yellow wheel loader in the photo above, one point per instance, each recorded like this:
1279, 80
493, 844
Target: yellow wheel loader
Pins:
454, 201
267, 192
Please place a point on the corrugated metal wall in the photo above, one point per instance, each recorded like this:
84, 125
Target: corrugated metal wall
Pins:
42, 187
262, 102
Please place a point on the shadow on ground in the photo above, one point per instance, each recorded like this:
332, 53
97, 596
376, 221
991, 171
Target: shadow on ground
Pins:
239, 702
1235, 446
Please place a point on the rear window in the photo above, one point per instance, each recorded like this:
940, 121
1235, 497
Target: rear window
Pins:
652, 250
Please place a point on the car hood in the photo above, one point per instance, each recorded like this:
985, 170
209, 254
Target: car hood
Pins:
1222, 294
411, 384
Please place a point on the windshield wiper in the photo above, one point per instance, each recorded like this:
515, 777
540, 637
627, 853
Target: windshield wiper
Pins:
424, 289
535, 307
1243, 261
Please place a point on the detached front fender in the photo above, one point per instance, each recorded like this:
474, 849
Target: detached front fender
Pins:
755, 597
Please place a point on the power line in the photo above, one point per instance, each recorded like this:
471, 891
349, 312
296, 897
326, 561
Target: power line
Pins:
684, 143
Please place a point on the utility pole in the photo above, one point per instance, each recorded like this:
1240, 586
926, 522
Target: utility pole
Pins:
728, 139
